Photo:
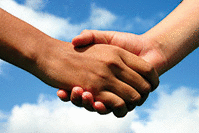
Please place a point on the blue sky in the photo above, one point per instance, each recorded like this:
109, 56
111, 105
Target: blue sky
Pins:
28, 105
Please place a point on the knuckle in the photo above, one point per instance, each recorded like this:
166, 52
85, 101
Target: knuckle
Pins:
120, 114
97, 82
143, 99
113, 49
84, 31
116, 49
136, 98
120, 105
149, 69
131, 106
103, 75
155, 86
146, 88
111, 54
120, 109
113, 61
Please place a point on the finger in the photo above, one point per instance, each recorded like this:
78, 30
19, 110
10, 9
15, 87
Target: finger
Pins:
125, 92
87, 101
101, 108
76, 96
133, 79
131, 96
89, 104
93, 37
63, 95
131, 106
143, 99
143, 68
83, 39
153, 78
113, 102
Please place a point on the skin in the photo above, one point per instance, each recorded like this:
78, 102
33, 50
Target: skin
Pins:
163, 46
110, 74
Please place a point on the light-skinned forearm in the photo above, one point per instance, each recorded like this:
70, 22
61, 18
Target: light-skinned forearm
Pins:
178, 34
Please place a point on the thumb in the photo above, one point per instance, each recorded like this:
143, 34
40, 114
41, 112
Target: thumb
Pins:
85, 38
92, 37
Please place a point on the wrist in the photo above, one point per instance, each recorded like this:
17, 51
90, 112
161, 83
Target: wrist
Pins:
49, 60
36, 54
153, 52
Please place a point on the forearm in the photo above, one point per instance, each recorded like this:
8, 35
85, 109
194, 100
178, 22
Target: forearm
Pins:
20, 43
178, 34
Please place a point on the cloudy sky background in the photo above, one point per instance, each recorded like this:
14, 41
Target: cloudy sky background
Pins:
27, 105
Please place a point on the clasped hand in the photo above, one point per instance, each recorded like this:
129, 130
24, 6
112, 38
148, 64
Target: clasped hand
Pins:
124, 84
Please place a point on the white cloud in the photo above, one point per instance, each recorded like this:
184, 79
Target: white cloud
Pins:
54, 26
173, 113
52, 116
143, 23
2, 116
101, 18
61, 28
177, 112
3, 67
36, 4
1, 63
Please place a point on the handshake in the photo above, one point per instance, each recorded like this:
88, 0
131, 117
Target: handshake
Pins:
103, 71
110, 72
